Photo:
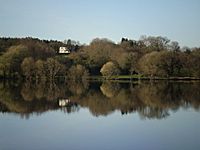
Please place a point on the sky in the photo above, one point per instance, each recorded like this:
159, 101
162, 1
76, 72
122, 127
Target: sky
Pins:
84, 20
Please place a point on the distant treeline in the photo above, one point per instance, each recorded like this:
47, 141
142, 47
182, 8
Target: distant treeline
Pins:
36, 59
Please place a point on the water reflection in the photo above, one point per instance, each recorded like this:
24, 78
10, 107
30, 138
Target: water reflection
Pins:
148, 99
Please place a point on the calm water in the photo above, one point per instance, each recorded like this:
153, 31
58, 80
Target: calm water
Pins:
100, 116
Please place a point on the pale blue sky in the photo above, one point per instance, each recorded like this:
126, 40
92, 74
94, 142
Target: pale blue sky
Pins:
85, 20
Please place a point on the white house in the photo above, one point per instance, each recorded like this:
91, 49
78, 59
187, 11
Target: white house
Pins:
64, 50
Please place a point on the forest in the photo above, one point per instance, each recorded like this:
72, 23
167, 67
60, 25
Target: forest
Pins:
35, 59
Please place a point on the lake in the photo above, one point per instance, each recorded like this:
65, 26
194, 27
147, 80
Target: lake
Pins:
150, 115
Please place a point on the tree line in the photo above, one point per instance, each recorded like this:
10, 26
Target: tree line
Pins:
35, 59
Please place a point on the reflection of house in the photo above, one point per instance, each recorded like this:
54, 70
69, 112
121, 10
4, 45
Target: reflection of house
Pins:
64, 50
64, 102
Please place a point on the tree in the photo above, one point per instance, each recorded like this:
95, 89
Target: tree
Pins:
98, 52
121, 57
110, 69
155, 43
147, 64
40, 69
126, 43
133, 59
39, 50
165, 63
69, 42
52, 68
174, 46
28, 68
3, 67
194, 64
12, 59
174, 63
93, 56
77, 73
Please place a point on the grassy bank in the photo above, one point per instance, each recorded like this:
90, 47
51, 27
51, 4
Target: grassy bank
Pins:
139, 77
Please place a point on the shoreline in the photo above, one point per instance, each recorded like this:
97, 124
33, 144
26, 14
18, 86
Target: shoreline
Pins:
143, 78
116, 78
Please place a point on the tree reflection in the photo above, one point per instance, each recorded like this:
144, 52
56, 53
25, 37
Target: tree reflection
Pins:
78, 87
149, 99
110, 89
28, 91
